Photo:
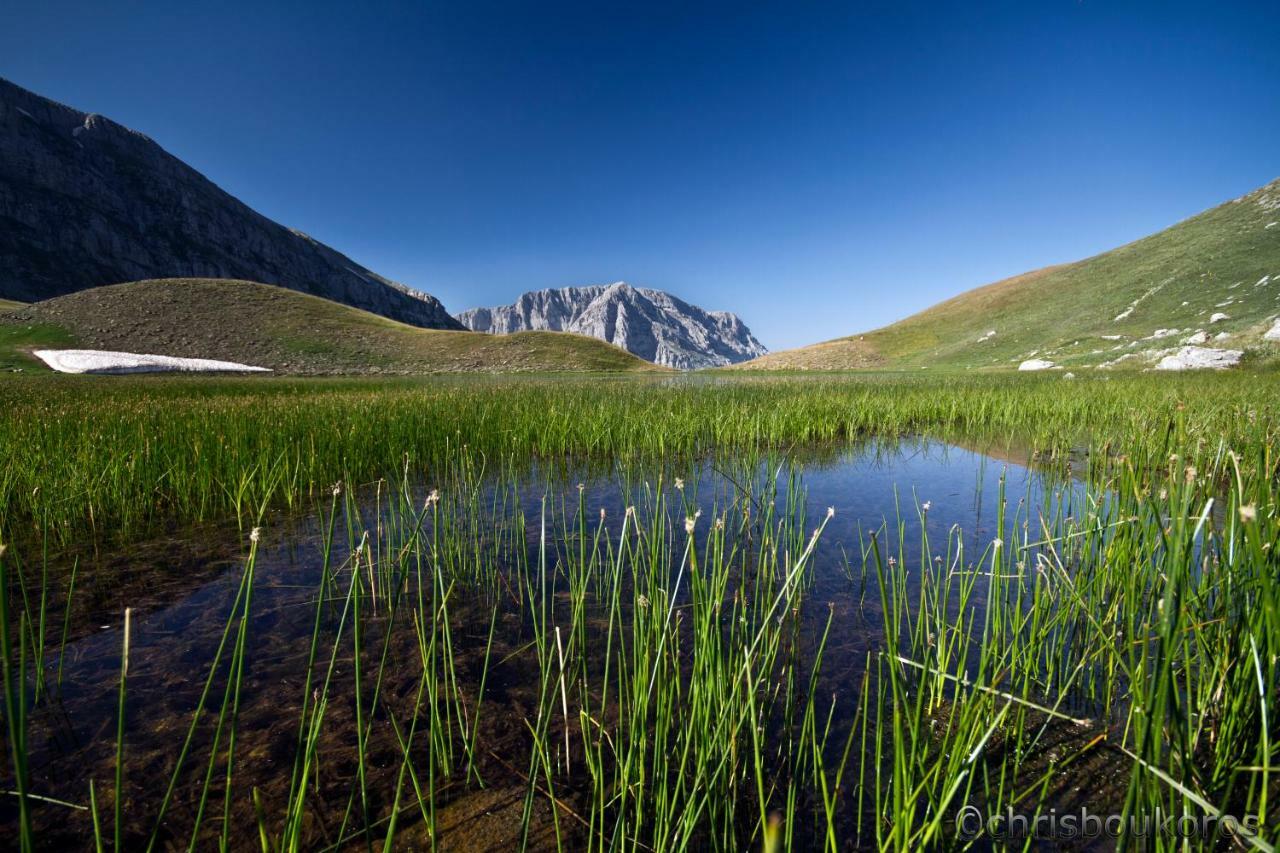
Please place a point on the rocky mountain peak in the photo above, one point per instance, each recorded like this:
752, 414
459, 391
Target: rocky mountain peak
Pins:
652, 324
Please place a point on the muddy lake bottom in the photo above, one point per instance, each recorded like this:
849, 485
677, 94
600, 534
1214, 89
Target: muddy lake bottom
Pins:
184, 588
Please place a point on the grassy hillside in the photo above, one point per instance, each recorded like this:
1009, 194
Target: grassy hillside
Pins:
286, 331
1225, 260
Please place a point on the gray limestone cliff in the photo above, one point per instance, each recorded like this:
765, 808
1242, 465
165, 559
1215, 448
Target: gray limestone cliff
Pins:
649, 323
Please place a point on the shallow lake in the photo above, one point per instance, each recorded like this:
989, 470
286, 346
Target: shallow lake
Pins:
183, 588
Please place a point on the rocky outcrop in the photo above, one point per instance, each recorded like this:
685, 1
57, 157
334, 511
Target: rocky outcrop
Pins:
1200, 358
87, 202
649, 323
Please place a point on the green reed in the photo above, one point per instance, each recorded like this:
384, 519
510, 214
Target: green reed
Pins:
119, 457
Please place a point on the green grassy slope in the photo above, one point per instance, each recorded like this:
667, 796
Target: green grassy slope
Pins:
1225, 260
286, 331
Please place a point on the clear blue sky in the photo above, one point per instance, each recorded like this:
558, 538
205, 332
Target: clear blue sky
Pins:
821, 169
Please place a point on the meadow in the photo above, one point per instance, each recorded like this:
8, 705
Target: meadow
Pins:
422, 631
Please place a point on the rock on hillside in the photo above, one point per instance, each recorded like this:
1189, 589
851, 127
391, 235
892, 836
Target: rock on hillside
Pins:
649, 323
87, 202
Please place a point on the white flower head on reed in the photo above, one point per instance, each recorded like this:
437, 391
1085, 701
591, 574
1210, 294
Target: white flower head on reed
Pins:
337, 488
1248, 512
831, 511
433, 497
679, 484
926, 506
254, 534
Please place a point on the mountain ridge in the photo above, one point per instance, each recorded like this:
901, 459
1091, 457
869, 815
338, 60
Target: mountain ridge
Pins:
86, 201
289, 332
1211, 280
652, 324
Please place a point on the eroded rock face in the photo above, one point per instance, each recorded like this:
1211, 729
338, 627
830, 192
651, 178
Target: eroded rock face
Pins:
649, 323
86, 202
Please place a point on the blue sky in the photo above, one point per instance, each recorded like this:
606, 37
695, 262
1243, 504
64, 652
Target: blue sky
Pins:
821, 169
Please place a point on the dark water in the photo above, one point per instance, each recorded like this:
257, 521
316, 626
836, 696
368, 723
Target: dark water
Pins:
182, 588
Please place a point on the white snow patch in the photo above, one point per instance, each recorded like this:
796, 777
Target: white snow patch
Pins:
988, 336
1273, 334
1111, 337
103, 361
1124, 314
1214, 318
1224, 304
1200, 337
1263, 281
1198, 358
25, 113
1270, 225
1036, 364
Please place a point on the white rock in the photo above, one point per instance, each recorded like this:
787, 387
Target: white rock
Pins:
1218, 316
1035, 364
1273, 334
1068, 375
1161, 333
104, 361
1200, 337
1198, 358
988, 336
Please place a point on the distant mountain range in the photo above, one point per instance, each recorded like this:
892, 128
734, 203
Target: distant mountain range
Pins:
86, 202
652, 324
287, 331
1204, 292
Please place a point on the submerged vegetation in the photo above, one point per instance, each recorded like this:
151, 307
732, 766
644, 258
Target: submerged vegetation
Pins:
471, 648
